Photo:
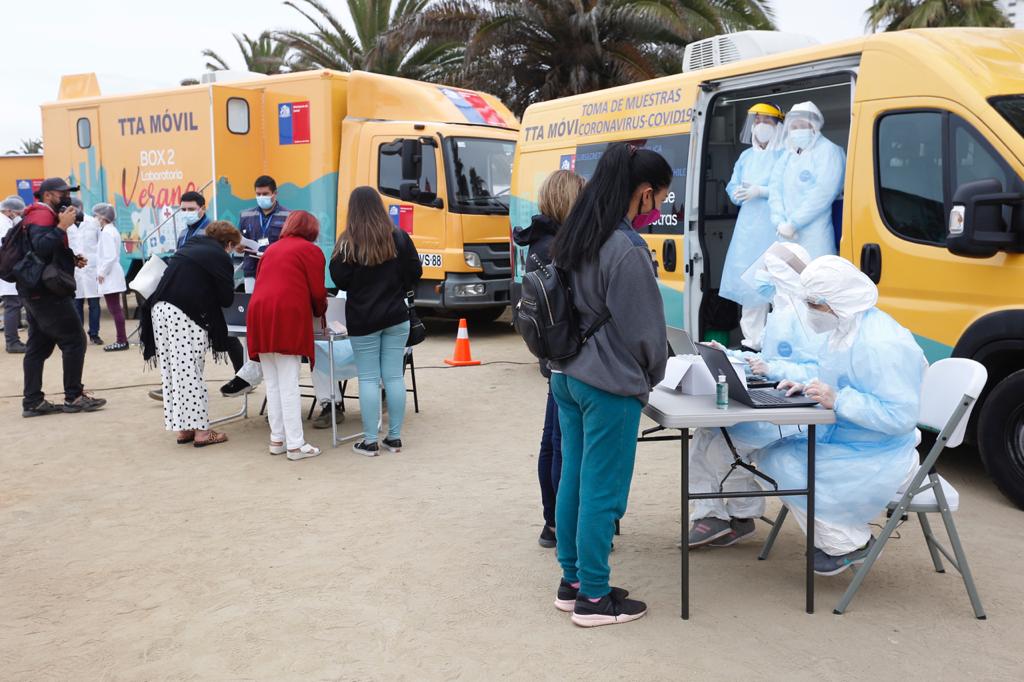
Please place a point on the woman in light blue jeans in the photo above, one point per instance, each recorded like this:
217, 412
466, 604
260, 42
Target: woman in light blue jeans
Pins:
380, 357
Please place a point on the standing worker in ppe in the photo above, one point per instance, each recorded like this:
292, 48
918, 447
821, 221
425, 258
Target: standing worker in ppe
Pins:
806, 181
11, 209
84, 240
870, 373
754, 232
788, 350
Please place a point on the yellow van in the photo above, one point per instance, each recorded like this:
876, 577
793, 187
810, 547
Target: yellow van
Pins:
932, 122
441, 158
20, 174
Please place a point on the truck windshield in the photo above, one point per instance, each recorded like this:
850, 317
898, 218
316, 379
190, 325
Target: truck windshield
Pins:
1012, 109
479, 174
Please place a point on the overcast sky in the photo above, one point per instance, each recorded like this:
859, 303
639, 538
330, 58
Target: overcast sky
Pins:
135, 45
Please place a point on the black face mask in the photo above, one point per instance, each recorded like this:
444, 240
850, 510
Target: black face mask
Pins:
63, 202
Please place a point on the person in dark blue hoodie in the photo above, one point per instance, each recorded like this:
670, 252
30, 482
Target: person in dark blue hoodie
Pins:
555, 199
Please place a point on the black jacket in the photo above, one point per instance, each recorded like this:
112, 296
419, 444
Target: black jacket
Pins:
50, 243
199, 281
538, 236
376, 295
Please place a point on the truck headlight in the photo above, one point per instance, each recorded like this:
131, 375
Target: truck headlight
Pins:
470, 289
472, 259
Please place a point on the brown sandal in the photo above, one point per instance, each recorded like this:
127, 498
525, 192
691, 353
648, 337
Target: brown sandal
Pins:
187, 439
214, 438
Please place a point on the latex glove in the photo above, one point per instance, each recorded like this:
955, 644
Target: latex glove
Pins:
790, 387
786, 230
715, 345
758, 366
821, 393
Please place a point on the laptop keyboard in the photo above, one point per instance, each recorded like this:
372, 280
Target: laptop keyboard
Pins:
768, 398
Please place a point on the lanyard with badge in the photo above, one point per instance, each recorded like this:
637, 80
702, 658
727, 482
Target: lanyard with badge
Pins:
265, 221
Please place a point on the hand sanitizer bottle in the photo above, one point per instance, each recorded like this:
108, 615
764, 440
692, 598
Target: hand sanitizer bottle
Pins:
722, 393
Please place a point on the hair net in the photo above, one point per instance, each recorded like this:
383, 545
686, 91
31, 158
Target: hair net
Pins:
798, 117
12, 203
77, 203
845, 289
784, 270
105, 211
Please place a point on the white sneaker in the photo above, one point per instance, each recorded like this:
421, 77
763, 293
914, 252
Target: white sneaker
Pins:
304, 452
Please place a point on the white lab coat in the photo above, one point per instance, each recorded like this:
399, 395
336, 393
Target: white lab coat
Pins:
6, 288
84, 241
108, 261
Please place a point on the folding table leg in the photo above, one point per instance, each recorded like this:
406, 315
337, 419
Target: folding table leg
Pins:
810, 517
684, 486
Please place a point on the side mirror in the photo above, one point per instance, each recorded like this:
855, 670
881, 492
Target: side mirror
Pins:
409, 190
977, 228
412, 159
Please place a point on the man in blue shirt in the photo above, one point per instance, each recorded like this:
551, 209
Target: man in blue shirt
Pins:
262, 224
193, 214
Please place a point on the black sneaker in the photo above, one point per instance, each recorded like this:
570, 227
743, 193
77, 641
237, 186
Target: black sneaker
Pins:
612, 609
367, 449
114, 347
235, 387
547, 538
84, 403
96, 340
393, 444
16, 347
565, 600
323, 420
44, 408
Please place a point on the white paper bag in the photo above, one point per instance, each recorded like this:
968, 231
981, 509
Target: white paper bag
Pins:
149, 277
688, 374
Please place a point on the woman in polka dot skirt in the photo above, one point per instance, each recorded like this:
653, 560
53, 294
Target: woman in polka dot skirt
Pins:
182, 319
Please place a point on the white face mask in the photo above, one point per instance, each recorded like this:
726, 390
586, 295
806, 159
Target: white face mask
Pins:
763, 132
801, 138
822, 322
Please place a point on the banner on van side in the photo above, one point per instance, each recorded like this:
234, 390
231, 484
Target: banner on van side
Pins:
293, 123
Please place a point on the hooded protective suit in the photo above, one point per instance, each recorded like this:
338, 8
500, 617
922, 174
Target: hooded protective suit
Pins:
875, 368
791, 353
805, 182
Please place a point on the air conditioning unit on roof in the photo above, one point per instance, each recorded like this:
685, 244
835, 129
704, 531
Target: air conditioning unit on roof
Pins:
229, 76
733, 47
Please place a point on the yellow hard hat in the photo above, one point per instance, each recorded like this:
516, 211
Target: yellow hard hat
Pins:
765, 109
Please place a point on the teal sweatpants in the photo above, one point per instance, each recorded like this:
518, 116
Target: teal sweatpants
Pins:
598, 451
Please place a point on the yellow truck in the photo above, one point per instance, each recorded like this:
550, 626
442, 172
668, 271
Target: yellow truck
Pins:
439, 156
932, 123
20, 174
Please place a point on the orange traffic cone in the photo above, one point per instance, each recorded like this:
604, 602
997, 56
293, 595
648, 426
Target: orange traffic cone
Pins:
462, 356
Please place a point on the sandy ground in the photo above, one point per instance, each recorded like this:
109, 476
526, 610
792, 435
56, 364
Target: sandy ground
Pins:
126, 557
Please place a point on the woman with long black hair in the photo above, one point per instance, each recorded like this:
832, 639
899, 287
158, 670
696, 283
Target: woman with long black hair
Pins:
601, 391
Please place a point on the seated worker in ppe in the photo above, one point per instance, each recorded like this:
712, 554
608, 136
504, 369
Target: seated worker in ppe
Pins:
805, 182
870, 373
788, 350
754, 231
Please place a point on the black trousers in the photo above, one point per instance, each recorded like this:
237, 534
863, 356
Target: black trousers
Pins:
235, 353
53, 322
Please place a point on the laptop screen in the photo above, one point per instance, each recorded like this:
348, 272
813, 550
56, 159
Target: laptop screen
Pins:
679, 341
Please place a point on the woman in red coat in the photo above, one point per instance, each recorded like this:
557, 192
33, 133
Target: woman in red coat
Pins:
289, 294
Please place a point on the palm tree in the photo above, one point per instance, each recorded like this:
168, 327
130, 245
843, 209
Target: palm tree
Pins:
525, 51
33, 145
263, 54
376, 45
894, 15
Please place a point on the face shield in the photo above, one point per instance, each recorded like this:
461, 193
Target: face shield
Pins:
763, 127
802, 127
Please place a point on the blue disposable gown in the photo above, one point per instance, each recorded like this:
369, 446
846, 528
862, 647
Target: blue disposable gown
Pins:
864, 457
791, 353
802, 190
754, 231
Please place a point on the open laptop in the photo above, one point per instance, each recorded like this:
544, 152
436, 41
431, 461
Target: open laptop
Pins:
679, 342
761, 398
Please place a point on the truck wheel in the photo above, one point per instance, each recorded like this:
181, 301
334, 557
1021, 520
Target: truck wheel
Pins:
485, 315
1001, 436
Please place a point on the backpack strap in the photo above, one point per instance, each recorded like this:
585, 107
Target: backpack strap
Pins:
598, 323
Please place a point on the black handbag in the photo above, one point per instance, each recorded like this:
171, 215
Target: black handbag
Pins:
417, 331
58, 282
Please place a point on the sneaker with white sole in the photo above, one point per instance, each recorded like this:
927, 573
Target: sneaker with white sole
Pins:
305, 452
826, 564
366, 449
278, 448
740, 529
704, 531
393, 444
565, 598
611, 609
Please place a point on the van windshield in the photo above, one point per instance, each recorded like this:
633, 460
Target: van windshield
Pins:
479, 174
1012, 109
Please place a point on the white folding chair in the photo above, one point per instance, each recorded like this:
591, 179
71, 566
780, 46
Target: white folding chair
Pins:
948, 394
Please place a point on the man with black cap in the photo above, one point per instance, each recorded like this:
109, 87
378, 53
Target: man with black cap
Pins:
52, 319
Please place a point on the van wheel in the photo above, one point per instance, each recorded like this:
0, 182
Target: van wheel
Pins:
484, 315
1001, 436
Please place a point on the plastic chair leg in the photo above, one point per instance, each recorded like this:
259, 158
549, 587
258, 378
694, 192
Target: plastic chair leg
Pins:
961, 560
929, 539
776, 527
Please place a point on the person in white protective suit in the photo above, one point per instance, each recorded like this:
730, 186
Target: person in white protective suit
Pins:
84, 240
787, 350
754, 231
806, 182
870, 373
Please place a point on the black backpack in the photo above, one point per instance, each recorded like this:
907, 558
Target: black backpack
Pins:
18, 262
546, 315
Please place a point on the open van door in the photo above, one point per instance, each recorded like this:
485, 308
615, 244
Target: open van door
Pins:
719, 110
239, 146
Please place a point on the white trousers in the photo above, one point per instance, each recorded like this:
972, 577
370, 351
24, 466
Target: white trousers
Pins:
284, 406
752, 322
249, 283
833, 539
710, 459
322, 387
251, 372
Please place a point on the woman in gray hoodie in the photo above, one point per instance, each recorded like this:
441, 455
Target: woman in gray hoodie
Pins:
601, 391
